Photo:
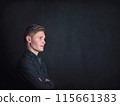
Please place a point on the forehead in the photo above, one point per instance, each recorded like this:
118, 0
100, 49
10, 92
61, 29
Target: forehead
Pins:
40, 33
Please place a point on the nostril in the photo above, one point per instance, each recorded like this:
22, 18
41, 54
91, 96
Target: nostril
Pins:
44, 42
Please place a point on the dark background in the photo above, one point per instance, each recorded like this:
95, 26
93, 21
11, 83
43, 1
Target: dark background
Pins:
82, 41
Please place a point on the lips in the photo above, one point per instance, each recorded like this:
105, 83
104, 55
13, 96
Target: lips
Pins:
42, 46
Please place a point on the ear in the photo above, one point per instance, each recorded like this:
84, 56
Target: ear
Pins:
28, 39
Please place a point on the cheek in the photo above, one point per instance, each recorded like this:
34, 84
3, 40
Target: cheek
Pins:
38, 44
35, 43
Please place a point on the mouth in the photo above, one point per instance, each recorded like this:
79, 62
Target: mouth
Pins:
42, 46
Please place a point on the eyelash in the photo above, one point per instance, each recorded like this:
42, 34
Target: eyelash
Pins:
41, 38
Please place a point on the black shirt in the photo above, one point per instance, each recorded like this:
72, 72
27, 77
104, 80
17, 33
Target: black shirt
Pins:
29, 69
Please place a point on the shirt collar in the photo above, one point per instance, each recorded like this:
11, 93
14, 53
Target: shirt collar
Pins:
30, 54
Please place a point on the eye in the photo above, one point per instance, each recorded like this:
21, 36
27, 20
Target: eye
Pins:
40, 37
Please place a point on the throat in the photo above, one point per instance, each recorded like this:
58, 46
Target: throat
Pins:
32, 49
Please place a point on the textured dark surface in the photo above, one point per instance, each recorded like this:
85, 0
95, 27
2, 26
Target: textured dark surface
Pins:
82, 41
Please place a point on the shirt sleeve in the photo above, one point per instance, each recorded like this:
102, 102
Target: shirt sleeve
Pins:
45, 69
46, 73
28, 74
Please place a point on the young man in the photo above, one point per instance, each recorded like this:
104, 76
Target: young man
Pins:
31, 67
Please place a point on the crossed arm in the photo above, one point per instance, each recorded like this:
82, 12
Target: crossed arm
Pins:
27, 73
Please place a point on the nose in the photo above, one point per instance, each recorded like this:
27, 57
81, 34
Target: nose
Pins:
43, 42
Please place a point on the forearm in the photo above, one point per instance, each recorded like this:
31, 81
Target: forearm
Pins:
35, 82
49, 85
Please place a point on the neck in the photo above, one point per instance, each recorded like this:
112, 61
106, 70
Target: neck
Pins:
33, 50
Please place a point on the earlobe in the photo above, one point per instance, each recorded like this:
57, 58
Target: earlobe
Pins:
28, 39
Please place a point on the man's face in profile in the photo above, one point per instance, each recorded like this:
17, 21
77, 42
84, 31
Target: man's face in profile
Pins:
38, 41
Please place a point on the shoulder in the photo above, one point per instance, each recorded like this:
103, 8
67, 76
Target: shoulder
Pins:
24, 61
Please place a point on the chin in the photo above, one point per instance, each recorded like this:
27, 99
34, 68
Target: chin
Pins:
41, 50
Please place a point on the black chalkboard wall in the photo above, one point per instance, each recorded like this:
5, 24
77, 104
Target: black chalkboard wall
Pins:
82, 41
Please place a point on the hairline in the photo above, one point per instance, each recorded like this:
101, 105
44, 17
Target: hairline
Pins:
32, 33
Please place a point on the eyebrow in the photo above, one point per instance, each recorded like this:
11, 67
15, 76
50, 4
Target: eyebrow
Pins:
42, 36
